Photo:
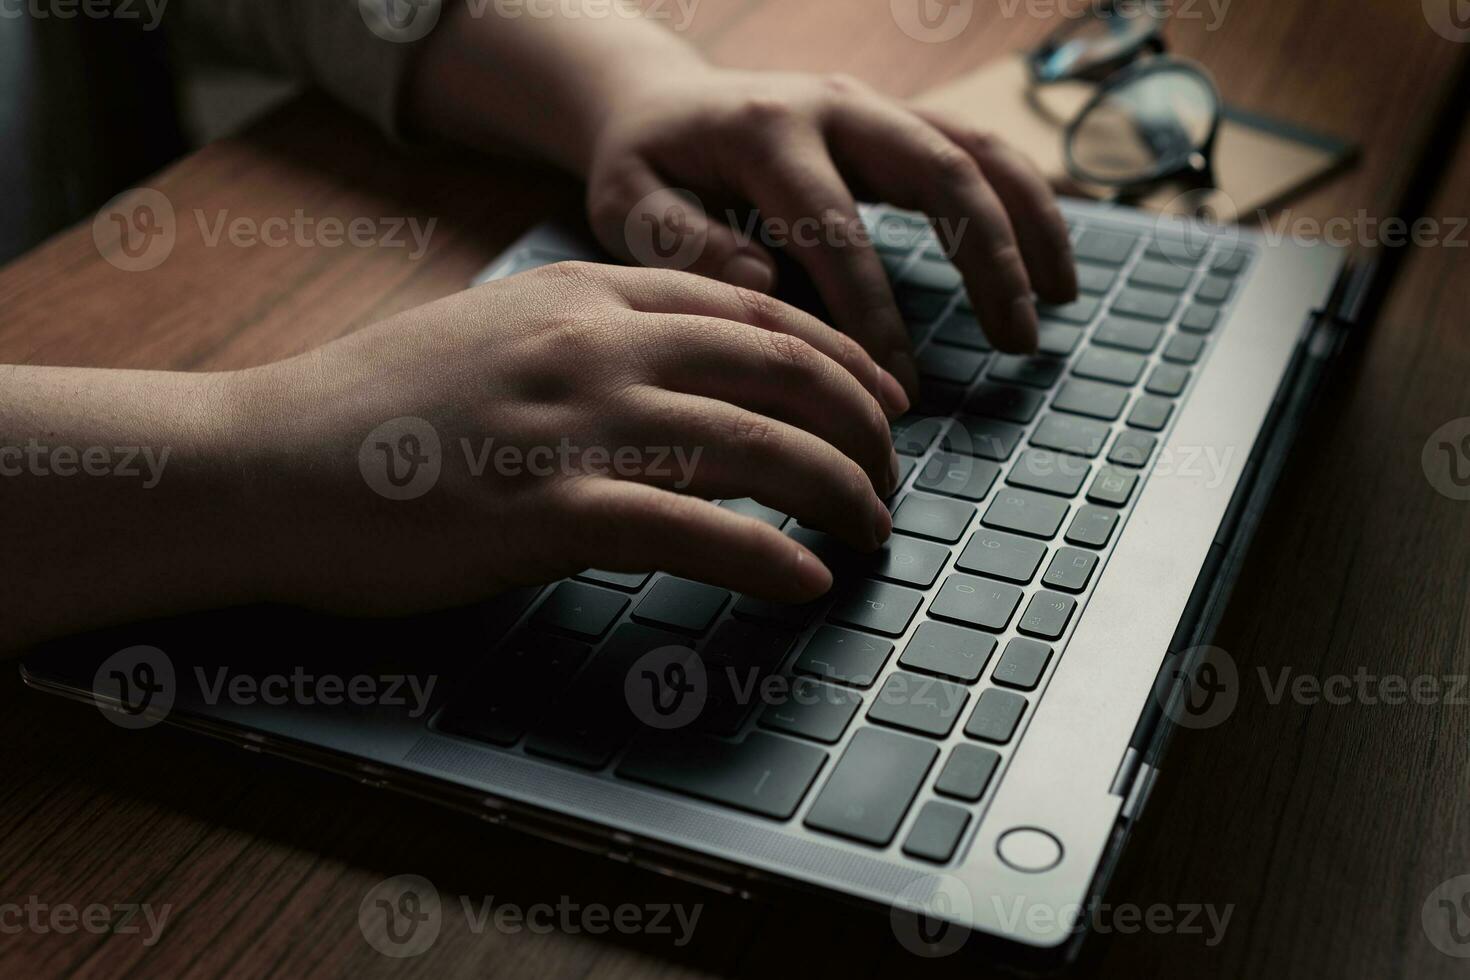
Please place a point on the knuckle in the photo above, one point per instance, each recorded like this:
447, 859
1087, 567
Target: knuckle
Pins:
752, 433
843, 85
790, 355
765, 111
952, 164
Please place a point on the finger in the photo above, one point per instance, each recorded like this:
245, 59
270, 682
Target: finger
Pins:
732, 452
908, 162
639, 219
1040, 227
780, 376
633, 527
664, 292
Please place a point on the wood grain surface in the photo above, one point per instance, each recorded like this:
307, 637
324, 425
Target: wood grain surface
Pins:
1324, 827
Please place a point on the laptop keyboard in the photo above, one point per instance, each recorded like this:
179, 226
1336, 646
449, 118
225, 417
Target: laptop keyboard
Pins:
894, 703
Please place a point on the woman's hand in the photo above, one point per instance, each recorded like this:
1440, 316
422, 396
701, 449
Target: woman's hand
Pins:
580, 412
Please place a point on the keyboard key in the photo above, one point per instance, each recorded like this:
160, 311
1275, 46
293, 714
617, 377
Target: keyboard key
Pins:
626, 581
1150, 412
844, 656
1105, 247
1160, 275
933, 517
1070, 569
582, 610
1132, 449
936, 832
1177, 252
955, 365
919, 306
967, 772
936, 276
1145, 304
1092, 527
957, 476
1199, 319
1001, 555
877, 607
737, 660
1114, 366
1136, 335
1038, 372
1067, 433
1047, 615
899, 232
1023, 663
923, 705
996, 715
906, 467
973, 601
784, 613
519, 682
760, 512
961, 330
1215, 289
1093, 398
1112, 486
1050, 472
812, 710
1004, 402
1025, 512
914, 434
949, 651
1058, 339
1095, 279
1230, 263
1167, 380
987, 438
679, 604
872, 786
1080, 310
1184, 348
908, 561
764, 774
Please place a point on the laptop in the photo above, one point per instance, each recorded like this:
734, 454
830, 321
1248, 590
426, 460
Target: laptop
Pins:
962, 735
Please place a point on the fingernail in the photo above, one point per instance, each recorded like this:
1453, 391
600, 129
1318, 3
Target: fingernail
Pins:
748, 272
812, 577
891, 394
893, 472
882, 522
906, 372
1025, 322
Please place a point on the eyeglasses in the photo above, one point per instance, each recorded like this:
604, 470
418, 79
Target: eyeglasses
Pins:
1153, 118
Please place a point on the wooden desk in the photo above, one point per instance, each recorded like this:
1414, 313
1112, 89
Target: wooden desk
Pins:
1325, 826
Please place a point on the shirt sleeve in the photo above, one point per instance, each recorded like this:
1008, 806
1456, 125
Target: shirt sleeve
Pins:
358, 51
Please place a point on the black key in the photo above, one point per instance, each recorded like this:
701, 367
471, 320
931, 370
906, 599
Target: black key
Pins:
1023, 663
1001, 555
961, 330
677, 603
1038, 372
1112, 486
1106, 247
1215, 289
957, 476
1136, 335
1184, 348
908, 561
760, 512
899, 232
972, 435
1145, 304
518, 683
1150, 412
933, 517
844, 656
1161, 275
955, 365
1047, 615
1050, 472
1101, 363
1092, 527
1092, 398
764, 774
1080, 310
1004, 402
1229, 263
1167, 380
967, 772
1132, 449
914, 434
627, 581
949, 651
1199, 319
918, 704
996, 715
1067, 433
1095, 278
877, 607
1177, 252
937, 276
783, 613
936, 832
973, 601
872, 786
580, 609
1025, 512
1070, 569
939, 398
812, 710
917, 305
1058, 339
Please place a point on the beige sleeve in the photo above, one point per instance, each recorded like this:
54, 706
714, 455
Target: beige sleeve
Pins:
358, 51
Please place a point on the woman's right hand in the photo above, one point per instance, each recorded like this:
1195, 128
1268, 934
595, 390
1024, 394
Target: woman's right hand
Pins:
518, 380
